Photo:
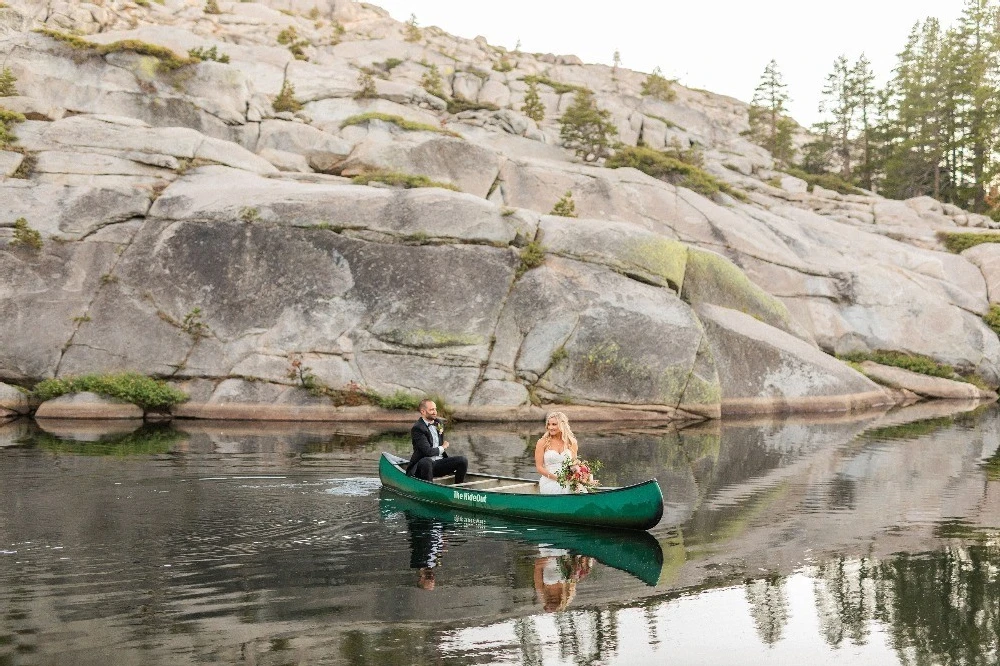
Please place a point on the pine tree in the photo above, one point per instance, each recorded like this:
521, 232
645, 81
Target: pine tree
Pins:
586, 128
866, 98
431, 82
411, 32
769, 126
7, 81
366, 85
533, 107
839, 103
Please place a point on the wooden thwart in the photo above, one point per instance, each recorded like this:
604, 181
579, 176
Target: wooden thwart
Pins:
513, 485
472, 483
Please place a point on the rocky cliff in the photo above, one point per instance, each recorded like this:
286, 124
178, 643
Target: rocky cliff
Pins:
193, 232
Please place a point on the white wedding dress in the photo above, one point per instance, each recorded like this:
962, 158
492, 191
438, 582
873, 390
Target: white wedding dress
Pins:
553, 463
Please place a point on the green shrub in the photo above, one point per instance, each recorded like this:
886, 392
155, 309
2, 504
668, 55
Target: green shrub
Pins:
565, 207
587, 129
912, 362
398, 121
503, 65
7, 80
8, 119
398, 400
532, 256
285, 101
992, 318
459, 104
659, 87
146, 392
290, 37
560, 88
958, 242
208, 54
212, 7
827, 181
25, 236
397, 179
392, 63
671, 169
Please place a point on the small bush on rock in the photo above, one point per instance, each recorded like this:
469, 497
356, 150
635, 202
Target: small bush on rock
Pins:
7, 80
25, 236
212, 7
398, 121
992, 318
285, 101
366, 86
146, 392
431, 82
8, 119
208, 54
659, 87
397, 179
532, 256
671, 169
912, 362
565, 207
959, 242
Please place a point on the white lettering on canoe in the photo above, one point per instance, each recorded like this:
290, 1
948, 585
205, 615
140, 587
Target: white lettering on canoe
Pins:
470, 497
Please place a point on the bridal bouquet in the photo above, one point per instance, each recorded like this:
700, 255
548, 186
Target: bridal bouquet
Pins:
578, 475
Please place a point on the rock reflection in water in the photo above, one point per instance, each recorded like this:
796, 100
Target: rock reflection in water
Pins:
867, 539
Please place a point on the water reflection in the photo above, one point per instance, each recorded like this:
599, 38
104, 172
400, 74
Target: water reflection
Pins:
634, 552
854, 540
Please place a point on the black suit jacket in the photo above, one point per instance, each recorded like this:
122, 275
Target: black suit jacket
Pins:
423, 444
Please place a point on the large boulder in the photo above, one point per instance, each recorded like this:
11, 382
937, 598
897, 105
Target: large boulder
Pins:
765, 370
574, 332
930, 387
87, 406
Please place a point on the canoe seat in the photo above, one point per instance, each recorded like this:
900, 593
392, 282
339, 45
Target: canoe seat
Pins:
513, 485
473, 483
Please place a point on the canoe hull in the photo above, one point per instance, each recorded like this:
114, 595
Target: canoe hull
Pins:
637, 507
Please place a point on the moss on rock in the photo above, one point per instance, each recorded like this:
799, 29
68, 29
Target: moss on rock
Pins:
711, 278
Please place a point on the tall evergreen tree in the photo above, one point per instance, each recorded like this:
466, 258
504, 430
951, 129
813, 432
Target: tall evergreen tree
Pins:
770, 127
866, 98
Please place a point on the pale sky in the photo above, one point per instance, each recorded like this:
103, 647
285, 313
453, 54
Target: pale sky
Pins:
721, 46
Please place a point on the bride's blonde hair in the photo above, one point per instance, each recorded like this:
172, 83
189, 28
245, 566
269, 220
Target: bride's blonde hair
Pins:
564, 428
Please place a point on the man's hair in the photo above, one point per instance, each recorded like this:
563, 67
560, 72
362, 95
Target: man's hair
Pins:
423, 403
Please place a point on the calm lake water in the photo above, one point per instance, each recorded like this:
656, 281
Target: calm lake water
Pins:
872, 540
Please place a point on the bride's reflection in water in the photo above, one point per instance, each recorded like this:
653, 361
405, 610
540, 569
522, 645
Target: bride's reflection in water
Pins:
557, 572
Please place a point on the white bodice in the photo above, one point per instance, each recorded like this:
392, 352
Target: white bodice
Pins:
553, 461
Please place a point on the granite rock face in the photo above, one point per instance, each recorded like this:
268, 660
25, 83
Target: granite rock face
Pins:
193, 232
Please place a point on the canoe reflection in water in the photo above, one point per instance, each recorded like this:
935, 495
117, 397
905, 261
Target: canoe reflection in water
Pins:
557, 572
430, 527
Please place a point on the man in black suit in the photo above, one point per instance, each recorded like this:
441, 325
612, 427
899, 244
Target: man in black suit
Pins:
429, 457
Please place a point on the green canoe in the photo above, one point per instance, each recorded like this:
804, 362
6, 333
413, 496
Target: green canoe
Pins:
632, 551
637, 507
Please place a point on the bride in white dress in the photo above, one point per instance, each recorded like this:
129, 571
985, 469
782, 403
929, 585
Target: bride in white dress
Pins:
557, 445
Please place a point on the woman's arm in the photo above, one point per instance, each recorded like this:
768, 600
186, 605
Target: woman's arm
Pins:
540, 460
